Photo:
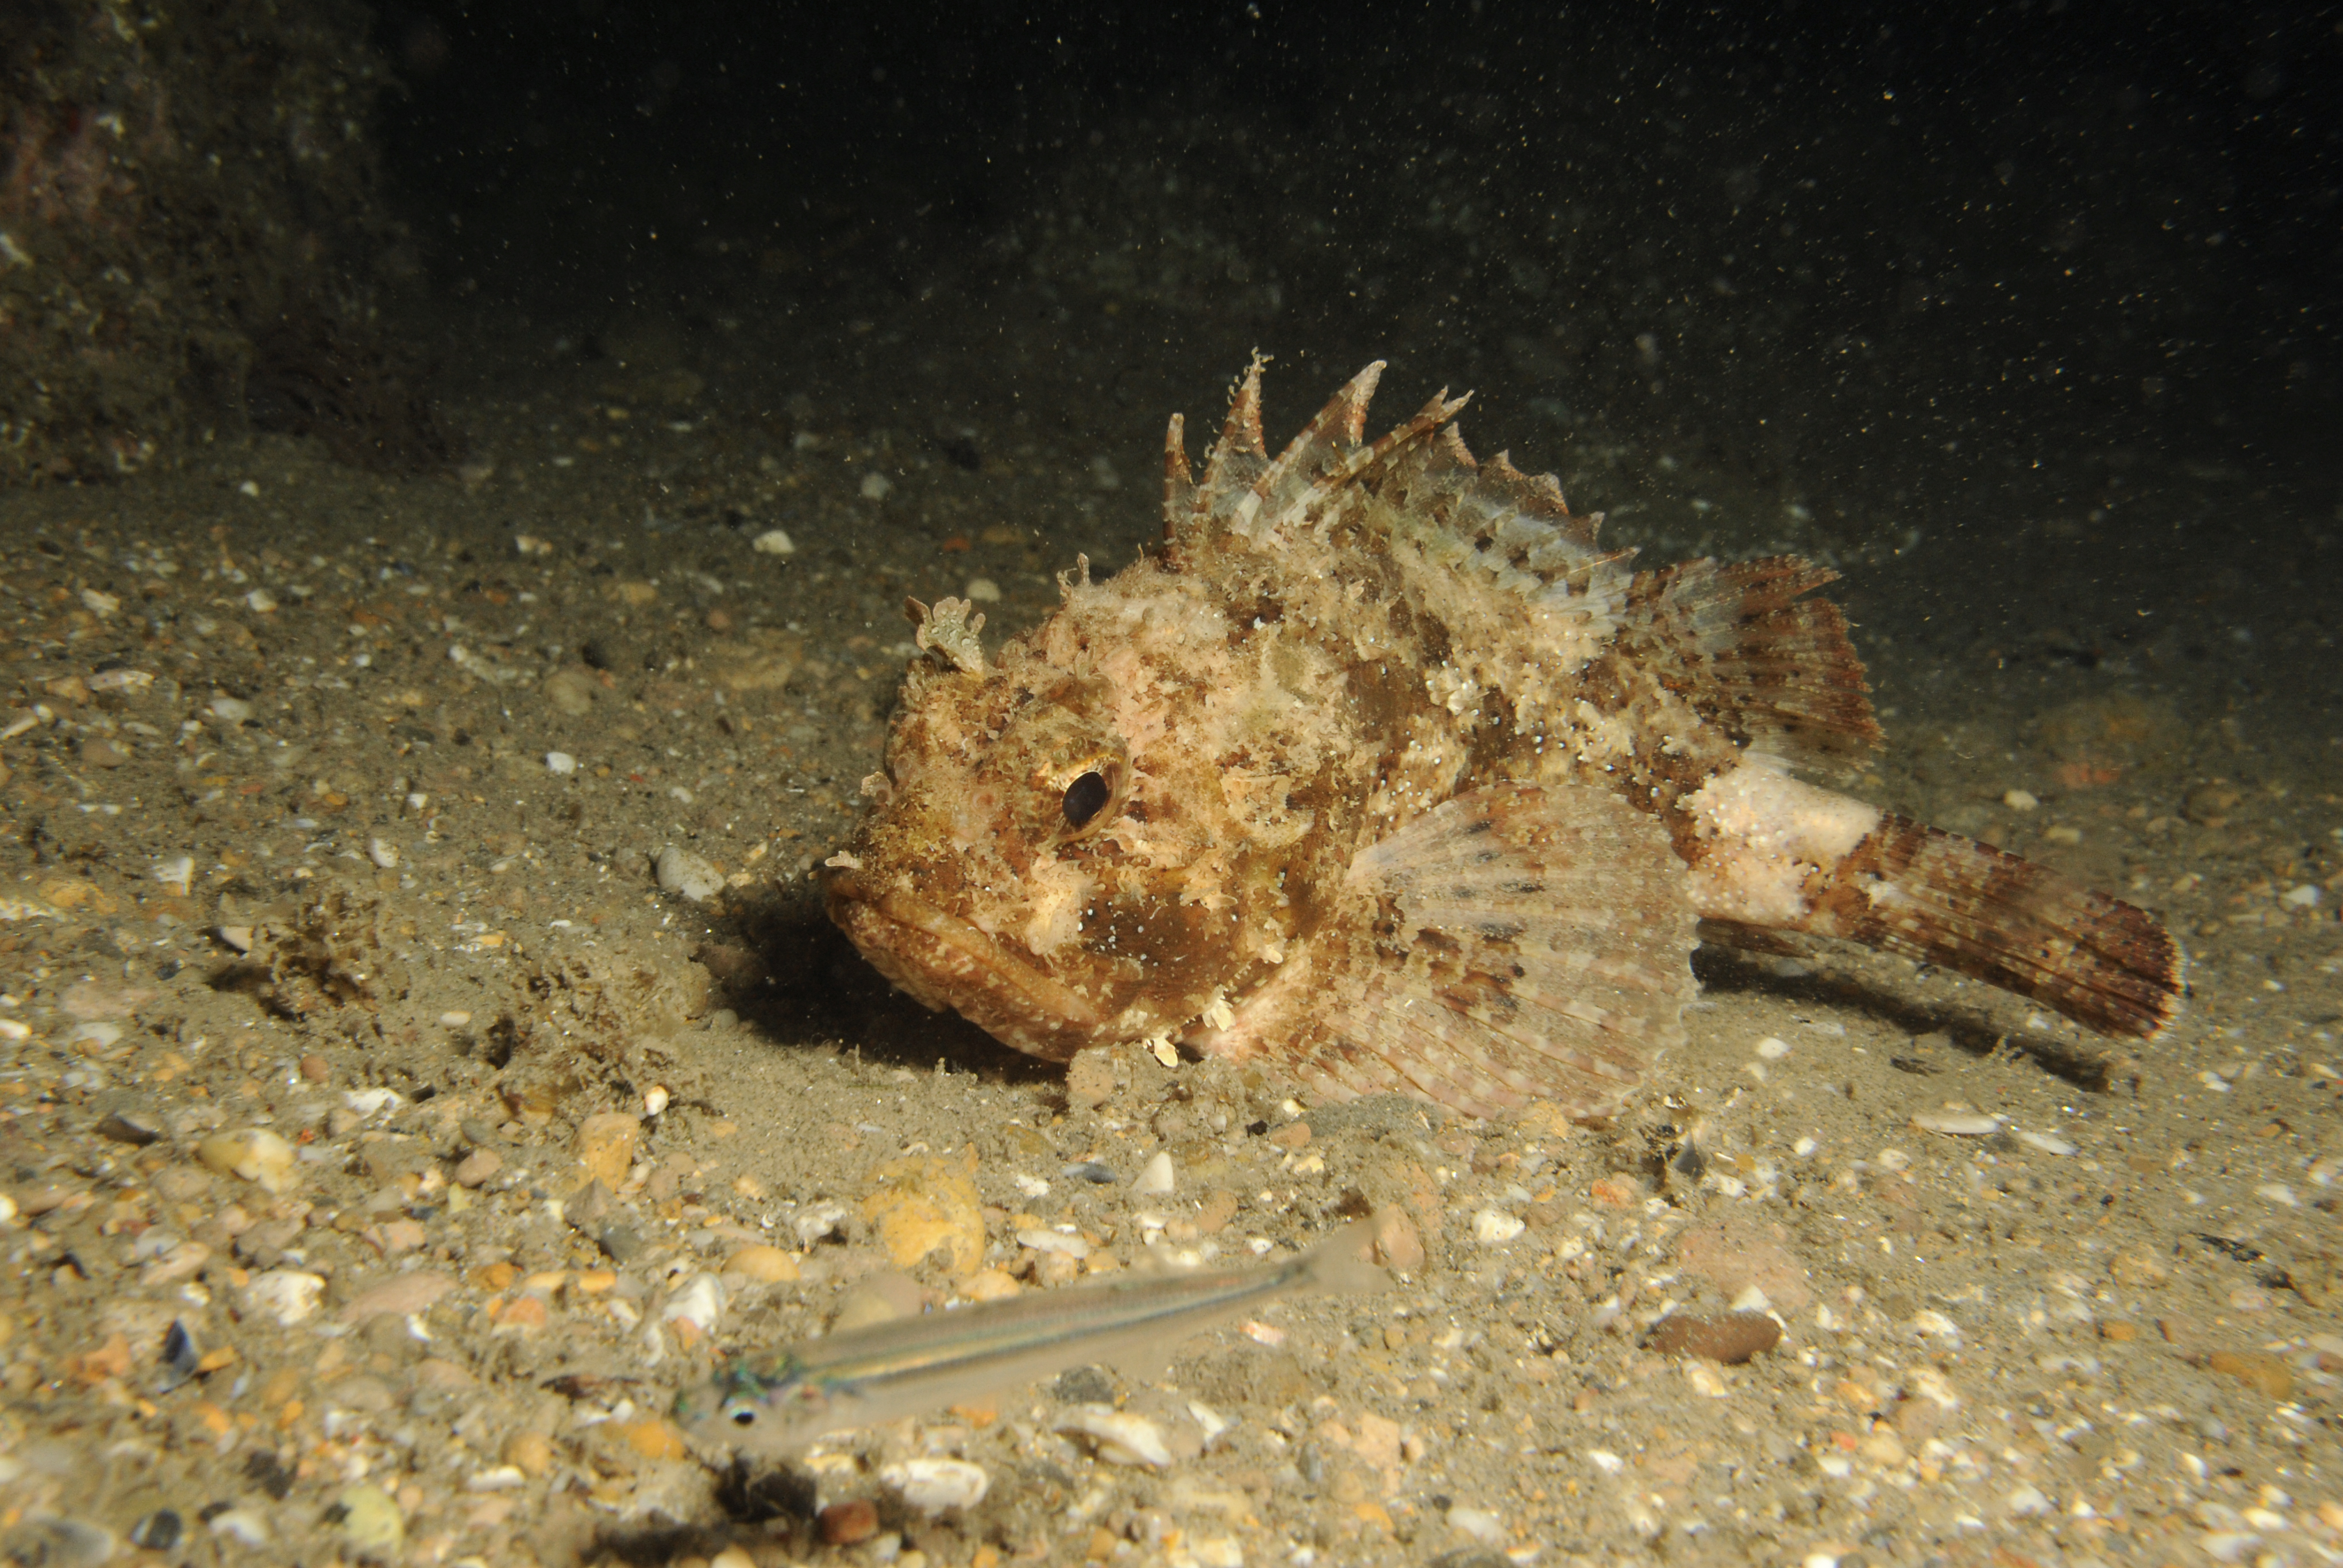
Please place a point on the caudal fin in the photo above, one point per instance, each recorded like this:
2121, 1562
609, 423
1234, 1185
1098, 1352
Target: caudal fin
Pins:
1915, 889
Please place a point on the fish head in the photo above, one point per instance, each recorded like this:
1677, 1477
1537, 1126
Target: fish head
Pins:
1046, 853
755, 1413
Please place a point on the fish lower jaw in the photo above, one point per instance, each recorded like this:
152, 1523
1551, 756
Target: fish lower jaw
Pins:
943, 961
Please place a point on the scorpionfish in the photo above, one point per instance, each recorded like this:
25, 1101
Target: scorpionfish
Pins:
1384, 774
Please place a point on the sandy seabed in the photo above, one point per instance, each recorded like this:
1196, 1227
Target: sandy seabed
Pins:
387, 1139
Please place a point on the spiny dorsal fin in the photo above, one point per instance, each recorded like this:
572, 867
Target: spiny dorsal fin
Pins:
1325, 446
1519, 524
1179, 484
1304, 486
1238, 458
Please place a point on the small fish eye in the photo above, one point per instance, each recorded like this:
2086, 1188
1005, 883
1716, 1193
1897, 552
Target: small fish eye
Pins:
744, 1416
1084, 799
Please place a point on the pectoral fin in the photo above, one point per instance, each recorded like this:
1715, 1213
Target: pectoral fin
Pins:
1516, 942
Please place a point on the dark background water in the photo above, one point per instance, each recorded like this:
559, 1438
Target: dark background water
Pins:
1918, 272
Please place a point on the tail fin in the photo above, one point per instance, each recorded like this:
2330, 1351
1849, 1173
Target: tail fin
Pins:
1915, 889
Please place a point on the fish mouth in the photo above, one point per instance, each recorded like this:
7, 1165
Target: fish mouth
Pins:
943, 961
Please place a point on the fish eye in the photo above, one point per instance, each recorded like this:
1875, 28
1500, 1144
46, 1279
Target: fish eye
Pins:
1084, 799
743, 1416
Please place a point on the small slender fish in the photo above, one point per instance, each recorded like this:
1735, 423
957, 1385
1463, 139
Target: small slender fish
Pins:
888, 1371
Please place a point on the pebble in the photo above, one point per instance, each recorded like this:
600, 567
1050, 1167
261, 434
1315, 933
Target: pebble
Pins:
475, 1168
1932, 1323
159, 1530
877, 487
135, 1126
382, 852
176, 874
288, 1295
2020, 800
1705, 1381
1156, 1177
851, 1522
231, 710
571, 692
2257, 1368
983, 590
681, 871
183, 1260
1044, 1241
531, 1453
560, 762
605, 1146
1616, 1190
1090, 1171
244, 1526
698, 1302
882, 1298
1399, 1246
1478, 1524
372, 1101
767, 1264
1729, 1339
933, 1485
1090, 1077
255, 1154
817, 1222
776, 542
1959, 1123
656, 1438
371, 1522
927, 1203
55, 1542
990, 1285
1494, 1227
1121, 1437
1772, 1049
619, 1241
398, 1296
2048, 1142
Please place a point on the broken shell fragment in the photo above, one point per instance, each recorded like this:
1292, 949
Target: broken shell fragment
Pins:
1957, 1123
288, 1295
934, 1485
1121, 1437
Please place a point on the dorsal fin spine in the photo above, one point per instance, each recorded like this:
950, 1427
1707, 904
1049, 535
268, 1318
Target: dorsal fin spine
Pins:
1179, 482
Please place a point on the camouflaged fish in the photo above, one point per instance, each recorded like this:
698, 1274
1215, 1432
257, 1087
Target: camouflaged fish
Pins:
1385, 774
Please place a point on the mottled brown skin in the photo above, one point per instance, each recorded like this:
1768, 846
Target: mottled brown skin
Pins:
1384, 772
